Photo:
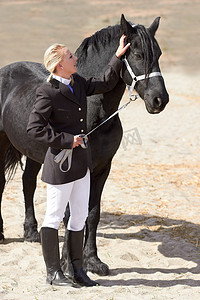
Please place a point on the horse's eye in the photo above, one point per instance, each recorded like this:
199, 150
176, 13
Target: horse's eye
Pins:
138, 56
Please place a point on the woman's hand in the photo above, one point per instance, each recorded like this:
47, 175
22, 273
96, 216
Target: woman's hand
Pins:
77, 141
122, 47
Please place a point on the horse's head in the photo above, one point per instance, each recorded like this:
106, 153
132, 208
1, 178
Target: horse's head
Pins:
142, 64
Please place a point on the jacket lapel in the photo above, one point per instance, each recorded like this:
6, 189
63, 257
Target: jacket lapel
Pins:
65, 90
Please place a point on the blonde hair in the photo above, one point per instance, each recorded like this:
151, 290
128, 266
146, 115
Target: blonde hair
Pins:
52, 57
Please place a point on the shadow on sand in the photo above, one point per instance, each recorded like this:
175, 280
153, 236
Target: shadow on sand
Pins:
178, 238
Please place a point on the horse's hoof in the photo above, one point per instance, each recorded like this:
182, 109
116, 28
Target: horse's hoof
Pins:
95, 265
32, 237
1, 238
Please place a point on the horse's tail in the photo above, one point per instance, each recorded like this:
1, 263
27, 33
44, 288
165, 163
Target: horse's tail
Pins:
13, 158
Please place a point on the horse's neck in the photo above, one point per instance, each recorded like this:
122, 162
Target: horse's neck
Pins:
102, 58
95, 63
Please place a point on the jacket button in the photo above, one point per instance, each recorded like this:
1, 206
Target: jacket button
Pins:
79, 108
81, 120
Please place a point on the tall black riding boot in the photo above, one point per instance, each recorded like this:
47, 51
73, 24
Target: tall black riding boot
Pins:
51, 254
75, 258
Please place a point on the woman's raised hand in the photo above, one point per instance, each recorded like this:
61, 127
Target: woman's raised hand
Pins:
122, 47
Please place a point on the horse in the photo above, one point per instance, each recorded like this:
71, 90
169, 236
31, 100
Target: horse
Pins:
18, 83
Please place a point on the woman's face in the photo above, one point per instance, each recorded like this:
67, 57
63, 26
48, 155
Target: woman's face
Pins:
68, 63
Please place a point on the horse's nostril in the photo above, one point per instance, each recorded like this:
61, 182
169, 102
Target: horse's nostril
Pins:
157, 102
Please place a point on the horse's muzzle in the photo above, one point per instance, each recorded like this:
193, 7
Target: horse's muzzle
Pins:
156, 105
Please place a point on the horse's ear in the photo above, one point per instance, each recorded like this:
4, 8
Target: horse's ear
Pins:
154, 26
125, 26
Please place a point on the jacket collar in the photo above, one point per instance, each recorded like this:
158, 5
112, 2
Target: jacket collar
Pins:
61, 79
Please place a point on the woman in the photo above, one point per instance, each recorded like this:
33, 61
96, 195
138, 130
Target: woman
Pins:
57, 120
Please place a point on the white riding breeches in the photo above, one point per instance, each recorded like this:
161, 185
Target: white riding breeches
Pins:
58, 196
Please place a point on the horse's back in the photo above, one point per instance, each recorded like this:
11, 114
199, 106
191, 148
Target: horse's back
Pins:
18, 84
22, 75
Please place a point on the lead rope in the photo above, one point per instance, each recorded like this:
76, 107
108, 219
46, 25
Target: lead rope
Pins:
111, 116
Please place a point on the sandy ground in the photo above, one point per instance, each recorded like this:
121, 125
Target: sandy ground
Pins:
149, 232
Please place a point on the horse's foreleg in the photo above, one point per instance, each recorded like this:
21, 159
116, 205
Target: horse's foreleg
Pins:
64, 258
29, 179
91, 261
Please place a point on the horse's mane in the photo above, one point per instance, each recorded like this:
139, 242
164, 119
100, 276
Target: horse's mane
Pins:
101, 37
147, 47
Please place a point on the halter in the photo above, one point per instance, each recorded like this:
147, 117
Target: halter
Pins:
136, 78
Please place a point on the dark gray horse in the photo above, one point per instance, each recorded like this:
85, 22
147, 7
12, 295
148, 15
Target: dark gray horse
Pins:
18, 83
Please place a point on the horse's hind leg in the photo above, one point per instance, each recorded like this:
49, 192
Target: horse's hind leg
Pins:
2, 185
29, 178
4, 143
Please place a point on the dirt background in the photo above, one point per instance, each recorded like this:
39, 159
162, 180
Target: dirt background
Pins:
149, 232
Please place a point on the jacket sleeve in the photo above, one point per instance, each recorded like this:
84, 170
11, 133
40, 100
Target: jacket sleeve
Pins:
38, 125
108, 81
